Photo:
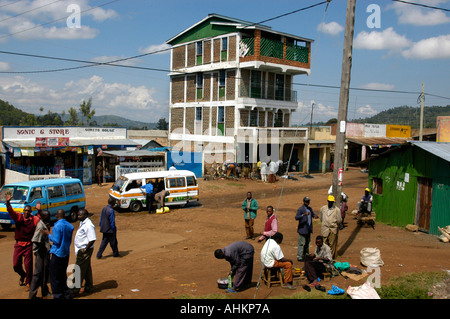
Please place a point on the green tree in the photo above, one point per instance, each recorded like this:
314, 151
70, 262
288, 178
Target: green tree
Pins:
86, 111
73, 117
162, 124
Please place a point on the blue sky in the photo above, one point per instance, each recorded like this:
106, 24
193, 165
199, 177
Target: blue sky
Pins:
410, 46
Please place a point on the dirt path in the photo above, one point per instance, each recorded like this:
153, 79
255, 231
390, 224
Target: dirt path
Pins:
169, 255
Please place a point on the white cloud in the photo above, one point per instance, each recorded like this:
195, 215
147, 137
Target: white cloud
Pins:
378, 86
164, 48
332, 28
366, 111
132, 102
4, 66
14, 22
387, 39
414, 15
431, 48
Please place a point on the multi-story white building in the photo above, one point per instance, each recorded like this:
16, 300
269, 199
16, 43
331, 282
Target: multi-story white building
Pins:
231, 91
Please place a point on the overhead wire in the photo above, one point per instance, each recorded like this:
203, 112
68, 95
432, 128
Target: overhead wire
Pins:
288, 162
56, 20
422, 5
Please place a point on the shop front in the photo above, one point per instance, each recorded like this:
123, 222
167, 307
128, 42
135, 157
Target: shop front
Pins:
75, 150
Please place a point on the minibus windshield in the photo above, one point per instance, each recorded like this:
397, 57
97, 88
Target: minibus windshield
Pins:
18, 193
118, 185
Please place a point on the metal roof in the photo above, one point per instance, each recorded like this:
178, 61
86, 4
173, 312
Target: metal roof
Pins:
239, 24
378, 141
134, 153
441, 150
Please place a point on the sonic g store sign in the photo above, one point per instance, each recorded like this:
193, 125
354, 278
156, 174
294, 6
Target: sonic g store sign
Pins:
20, 132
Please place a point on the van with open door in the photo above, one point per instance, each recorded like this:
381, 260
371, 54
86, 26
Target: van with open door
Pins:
181, 185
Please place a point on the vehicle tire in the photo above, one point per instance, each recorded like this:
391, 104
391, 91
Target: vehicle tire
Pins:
6, 226
73, 215
135, 206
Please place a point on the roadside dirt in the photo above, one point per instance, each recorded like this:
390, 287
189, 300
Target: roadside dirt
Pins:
172, 255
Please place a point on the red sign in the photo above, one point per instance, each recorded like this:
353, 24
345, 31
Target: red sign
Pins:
52, 141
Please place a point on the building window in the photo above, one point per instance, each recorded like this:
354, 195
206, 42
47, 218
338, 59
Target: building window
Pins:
279, 87
220, 121
255, 84
199, 85
224, 50
222, 77
199, 53
198, 113
254, 118
377, 185
278, 119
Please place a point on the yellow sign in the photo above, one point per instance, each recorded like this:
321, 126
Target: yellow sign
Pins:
398, 131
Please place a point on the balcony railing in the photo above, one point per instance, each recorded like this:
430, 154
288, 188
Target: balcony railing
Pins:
257, 92
275, 49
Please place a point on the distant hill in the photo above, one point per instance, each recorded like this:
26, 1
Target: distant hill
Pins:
114, 120
403, 115
407, 115
10, 115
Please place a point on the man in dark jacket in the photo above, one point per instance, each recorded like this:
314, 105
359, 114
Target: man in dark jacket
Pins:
108, 229
304, 216
240, 256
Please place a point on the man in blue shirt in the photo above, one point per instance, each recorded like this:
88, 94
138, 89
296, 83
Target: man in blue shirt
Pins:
108, 229
149, 195
60, 252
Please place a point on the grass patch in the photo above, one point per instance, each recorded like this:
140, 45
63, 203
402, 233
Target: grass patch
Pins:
411, 286
236, 184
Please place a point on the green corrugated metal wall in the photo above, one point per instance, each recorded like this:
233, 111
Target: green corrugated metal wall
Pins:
397, 204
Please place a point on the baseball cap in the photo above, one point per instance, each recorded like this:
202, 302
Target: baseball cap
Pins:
330, 198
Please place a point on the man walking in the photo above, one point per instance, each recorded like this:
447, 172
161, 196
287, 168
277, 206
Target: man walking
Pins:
25, 225
41, 251
250, 207
60, 252
240, 256
84, 246
304, 216
330, 217
108, 229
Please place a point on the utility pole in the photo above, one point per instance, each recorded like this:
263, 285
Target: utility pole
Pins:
310, 122
343, 102
422, 99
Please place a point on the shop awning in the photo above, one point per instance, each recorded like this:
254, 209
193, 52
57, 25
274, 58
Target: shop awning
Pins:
133, 153
74, 142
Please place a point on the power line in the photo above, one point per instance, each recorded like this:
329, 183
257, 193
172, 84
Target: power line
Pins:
371, 90
25, 12
112, 63
422, 5
51, 22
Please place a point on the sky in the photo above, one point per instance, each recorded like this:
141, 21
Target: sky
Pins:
397, 47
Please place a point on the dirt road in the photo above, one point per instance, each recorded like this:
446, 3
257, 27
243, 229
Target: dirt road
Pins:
171, 255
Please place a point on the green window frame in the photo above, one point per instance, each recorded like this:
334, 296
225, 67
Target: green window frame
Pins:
220, 121
199, 53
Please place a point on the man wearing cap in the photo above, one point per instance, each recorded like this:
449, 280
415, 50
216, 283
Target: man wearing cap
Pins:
367, 198
304, 216
330, 216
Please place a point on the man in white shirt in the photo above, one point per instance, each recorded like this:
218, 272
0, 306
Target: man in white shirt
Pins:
272, 257
84, 247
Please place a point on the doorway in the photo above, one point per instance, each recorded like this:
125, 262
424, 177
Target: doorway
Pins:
423, 206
